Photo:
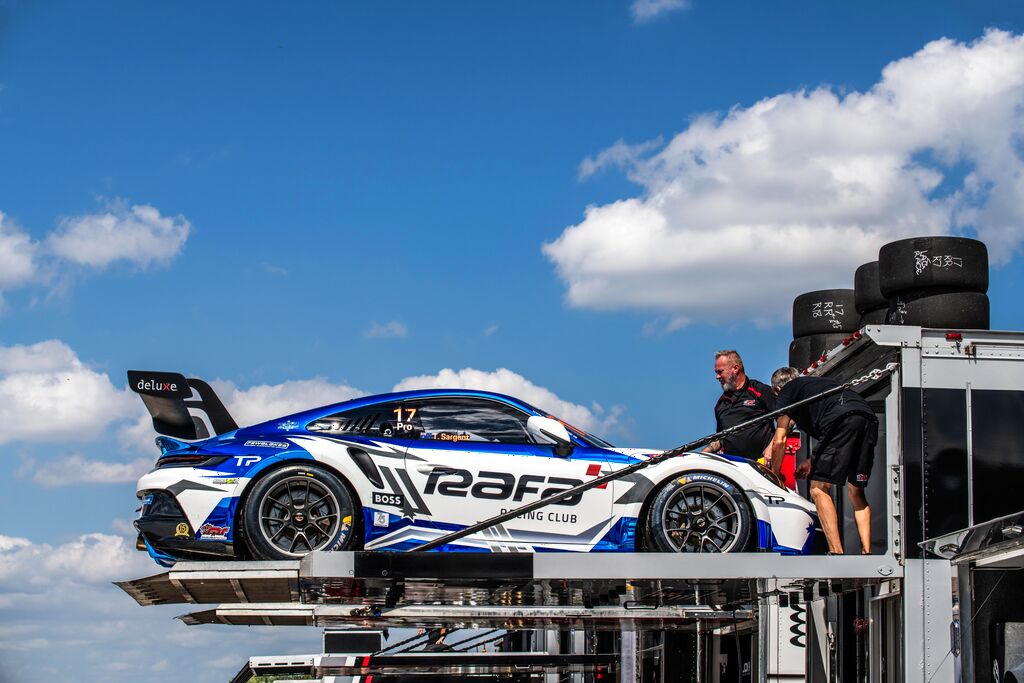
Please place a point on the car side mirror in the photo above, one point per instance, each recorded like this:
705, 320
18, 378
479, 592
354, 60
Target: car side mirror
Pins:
547, 430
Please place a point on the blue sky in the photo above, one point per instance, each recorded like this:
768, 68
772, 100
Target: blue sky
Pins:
309, 202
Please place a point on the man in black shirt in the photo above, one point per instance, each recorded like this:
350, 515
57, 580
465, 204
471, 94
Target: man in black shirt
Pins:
742, 399
846, 430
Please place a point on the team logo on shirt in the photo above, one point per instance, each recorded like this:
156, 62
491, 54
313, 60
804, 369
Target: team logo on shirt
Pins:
750, 402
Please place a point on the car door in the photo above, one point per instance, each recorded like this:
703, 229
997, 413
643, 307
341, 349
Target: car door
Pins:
371, 439
473, 458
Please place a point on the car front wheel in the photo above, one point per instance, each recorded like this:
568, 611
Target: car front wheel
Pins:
699, 512
296, 510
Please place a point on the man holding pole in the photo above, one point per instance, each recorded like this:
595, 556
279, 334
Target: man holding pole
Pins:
846, 430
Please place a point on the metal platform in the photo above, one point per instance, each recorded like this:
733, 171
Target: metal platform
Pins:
622, 618
207, 583
436, 663
513, 590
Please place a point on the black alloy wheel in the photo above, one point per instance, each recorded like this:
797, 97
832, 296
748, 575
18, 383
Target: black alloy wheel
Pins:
700, 512
296, 510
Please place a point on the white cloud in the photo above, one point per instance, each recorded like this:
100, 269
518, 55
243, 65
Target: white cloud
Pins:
101, 633
90, 558
490, 329
138, 435
389, 329
619, 155
274, 269
48, 394
268, 401
17, 255
504, 381
139, 235
645, 10
76, 469
799, 189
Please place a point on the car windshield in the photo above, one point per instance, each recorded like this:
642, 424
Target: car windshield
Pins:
589, 438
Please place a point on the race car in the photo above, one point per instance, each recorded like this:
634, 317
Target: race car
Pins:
395, 471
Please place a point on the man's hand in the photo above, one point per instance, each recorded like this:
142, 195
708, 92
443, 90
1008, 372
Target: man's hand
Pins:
713, 447
777, 446
802, 470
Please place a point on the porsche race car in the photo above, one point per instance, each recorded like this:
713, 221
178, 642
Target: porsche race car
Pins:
394, 471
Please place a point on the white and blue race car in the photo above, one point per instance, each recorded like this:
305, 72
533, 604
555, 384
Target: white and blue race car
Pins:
394, 471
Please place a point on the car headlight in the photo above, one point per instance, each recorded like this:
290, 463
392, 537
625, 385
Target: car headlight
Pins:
769, 475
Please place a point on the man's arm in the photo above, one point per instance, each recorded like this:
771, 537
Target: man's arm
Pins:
783, 427
715, 446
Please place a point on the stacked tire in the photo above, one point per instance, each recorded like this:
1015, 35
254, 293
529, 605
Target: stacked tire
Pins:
872, 305
937, 282
821, 321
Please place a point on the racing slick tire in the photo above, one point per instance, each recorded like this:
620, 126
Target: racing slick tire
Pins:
866, 293
944, 262
824, 311
806, 350
940, 308
875, 316
699, 512
298, 509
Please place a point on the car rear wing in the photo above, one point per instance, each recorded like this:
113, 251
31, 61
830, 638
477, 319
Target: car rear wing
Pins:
182, 408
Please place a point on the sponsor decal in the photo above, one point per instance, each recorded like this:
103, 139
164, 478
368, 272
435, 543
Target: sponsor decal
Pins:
210, 532
181, 530
450, 481
594, 470
750, 402
706, 477
247, 460
395, 499
862, 477
224, 481
449, 436
346, 529
154, 385
380, 519
288, 425
774, 500
268, 444
540, 515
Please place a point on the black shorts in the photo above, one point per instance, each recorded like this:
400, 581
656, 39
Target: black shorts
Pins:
847, 452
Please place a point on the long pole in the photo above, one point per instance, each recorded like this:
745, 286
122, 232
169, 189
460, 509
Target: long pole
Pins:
629, 469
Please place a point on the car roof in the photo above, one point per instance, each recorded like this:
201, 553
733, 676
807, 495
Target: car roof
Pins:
362, 401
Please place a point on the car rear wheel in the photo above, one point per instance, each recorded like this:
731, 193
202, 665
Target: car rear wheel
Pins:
296, 510
699, 512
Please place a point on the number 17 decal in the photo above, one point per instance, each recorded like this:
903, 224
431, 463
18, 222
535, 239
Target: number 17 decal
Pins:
406, 424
